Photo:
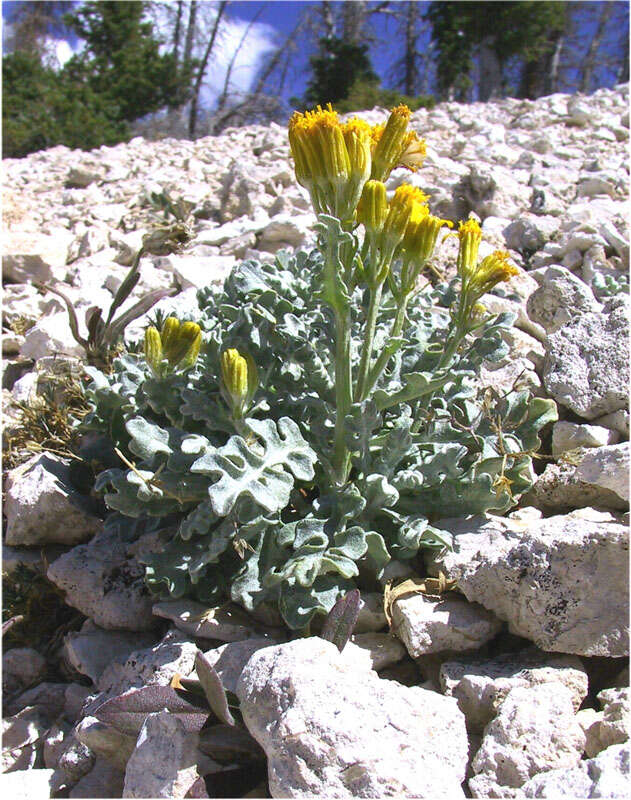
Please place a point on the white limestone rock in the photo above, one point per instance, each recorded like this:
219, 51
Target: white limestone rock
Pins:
163, 763
34, 256
229, 659
586, 367
42, 506
607, 775
49, 336
228, 623
105, 583
330, 727
21, 667
27, 784
384, 648
615, 726
534, 731
92, 649
570, 435
481, 686
560, 582
560, 297
427, 625
103, 780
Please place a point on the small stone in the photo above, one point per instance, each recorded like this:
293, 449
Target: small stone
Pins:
28, 784
451, 623
384, 648
559, 298
91, 651
371, 617
50, 335
21, 667
560, 581
569, 436
105, 584
228, 623
103, 780
481, 686
229, 659
534, 731
618, 421
589, 719
105, 741
331, 727
616, 722
163, 763
607, 775
43, 507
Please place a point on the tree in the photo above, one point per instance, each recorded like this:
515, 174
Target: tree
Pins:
495, 33
335, 69
32, 25
122, 60
589, 64
192, 119
42, 108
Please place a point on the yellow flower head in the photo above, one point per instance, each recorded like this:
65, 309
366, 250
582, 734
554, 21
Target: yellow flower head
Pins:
394, 146
372, 209
178, 343
492, 270
332, 160
421, 234
406, 201
240, 380
470, 235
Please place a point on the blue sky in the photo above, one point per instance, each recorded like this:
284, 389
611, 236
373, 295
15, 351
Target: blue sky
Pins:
275, 19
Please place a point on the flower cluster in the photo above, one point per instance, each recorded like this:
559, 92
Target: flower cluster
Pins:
175, 347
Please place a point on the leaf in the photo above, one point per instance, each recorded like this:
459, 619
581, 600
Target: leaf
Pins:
147, 439
127, 286
127, 712
116, 328
433, 587
417, 384
213, 689
246, 468
72, 314
341, 619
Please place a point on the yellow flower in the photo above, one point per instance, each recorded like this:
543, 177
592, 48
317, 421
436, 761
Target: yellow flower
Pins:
492, 270
421, 234
394, 146
240, 380
372, 209
470, 235
178, 343
331, 160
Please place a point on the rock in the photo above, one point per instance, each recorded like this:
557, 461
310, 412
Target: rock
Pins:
199, 271
534, 731
33, 256
229, 659
43, 507
76, 760
49, 336
560, 582
27, 784
163, 763
481, 686
596, 477
103, 583
384, 648
103, 780
371, 614
339, 730
155, 664
21, 668
75, 697
105, 741
288, 229
569, 436
80, 177
451, 623
229, 623
616, 721
49, 698
22, 734
54, 744
527, 235
586, 365
618, 421
91, 650
607, 775
559, 298
589, 719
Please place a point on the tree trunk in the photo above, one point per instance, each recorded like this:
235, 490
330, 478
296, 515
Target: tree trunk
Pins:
410, 49
552, 75
490, 71
190, 31
192, 119
328, 20
178, 31
353, 21
589, 64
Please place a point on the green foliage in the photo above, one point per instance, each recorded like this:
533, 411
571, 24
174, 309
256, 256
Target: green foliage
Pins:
259, 516
42, 108
336, 68
523, 29
365, 94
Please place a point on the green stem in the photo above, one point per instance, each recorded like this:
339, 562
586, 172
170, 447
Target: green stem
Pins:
343, 394
380, 363
371, 325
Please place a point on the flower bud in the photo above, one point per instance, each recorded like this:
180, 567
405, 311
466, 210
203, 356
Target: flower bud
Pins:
395, 146
240, 380
372, 209
153, 349
470, 235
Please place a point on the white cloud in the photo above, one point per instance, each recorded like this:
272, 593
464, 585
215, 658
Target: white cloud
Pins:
63, 50
260, 41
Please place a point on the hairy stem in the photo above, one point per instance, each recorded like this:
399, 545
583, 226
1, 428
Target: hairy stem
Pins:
380, 364
369, 336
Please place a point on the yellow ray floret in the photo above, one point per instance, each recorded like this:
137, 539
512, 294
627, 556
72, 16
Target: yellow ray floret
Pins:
492, 270
421, 234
